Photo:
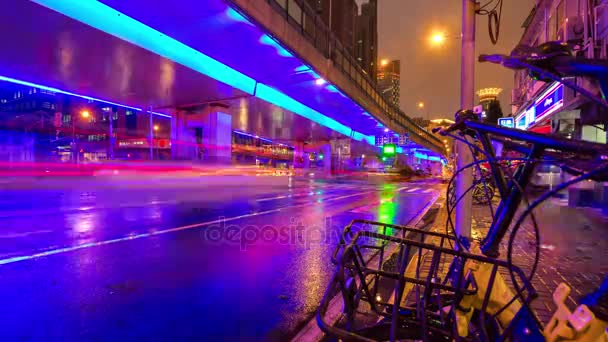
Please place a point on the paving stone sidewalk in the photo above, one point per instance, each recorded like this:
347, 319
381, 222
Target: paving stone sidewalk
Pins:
574, 250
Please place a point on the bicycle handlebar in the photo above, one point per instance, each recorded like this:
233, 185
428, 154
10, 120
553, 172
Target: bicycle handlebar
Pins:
565, 65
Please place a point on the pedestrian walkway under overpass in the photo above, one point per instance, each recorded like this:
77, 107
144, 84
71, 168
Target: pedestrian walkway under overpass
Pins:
213, 71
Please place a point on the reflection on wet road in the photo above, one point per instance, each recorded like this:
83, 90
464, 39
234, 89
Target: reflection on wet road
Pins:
234, 258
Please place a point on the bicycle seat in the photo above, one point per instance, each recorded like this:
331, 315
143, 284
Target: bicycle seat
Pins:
543, 51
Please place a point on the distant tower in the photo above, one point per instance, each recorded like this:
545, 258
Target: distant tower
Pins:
366, 38
388, 77
488, 99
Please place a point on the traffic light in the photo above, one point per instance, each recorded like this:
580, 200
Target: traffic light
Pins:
389, 150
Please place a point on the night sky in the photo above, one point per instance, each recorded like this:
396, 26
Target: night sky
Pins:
432, 75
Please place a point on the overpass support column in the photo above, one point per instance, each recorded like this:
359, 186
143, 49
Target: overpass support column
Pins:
327, 157
204, 135
300, 158
183, 141
217, 136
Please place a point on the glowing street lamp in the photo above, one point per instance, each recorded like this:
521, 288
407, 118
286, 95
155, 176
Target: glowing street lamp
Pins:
384, 62
85, 114
156, 128
420, 104
438, 39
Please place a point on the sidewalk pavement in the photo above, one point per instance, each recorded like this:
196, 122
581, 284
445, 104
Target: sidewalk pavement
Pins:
574, 250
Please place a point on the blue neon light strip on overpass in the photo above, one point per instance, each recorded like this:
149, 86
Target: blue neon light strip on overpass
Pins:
115, 23
272, 95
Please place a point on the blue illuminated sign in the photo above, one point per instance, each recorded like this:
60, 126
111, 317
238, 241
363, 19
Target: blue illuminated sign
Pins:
520, 121
549, 102
507, 122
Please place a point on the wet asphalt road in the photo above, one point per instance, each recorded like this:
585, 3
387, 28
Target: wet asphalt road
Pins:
224, 258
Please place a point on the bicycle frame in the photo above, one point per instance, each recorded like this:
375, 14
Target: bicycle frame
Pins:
510, 193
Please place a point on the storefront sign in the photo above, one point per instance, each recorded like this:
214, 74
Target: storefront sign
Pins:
526, 118
133, 143
549, 102
143, 143
530, 115
507, 122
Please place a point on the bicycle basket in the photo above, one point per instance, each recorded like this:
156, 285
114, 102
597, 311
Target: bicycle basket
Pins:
401, 283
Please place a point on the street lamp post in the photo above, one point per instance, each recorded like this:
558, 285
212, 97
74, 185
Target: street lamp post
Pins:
467, 93
155, 129
75, 154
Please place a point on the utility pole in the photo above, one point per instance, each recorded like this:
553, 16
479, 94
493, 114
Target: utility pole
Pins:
467, 94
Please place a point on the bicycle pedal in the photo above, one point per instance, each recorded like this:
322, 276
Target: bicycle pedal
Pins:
581, 318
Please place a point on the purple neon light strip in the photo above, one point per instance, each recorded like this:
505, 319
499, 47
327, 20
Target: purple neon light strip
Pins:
55, 90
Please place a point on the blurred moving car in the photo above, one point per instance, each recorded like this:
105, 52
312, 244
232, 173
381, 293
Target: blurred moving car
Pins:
546, 176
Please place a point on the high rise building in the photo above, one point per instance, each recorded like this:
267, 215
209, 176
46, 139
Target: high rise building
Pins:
366, 45
340, 17
388, 78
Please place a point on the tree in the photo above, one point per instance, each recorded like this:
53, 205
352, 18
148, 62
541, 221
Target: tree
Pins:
494, 112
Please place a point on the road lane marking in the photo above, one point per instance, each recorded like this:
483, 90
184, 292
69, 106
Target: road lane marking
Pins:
326, 191
24, 234
163, 231
273, 198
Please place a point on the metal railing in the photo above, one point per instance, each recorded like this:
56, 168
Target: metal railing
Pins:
303, 18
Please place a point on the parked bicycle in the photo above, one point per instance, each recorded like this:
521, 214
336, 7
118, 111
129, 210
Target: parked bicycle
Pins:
483, 191
479, 297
